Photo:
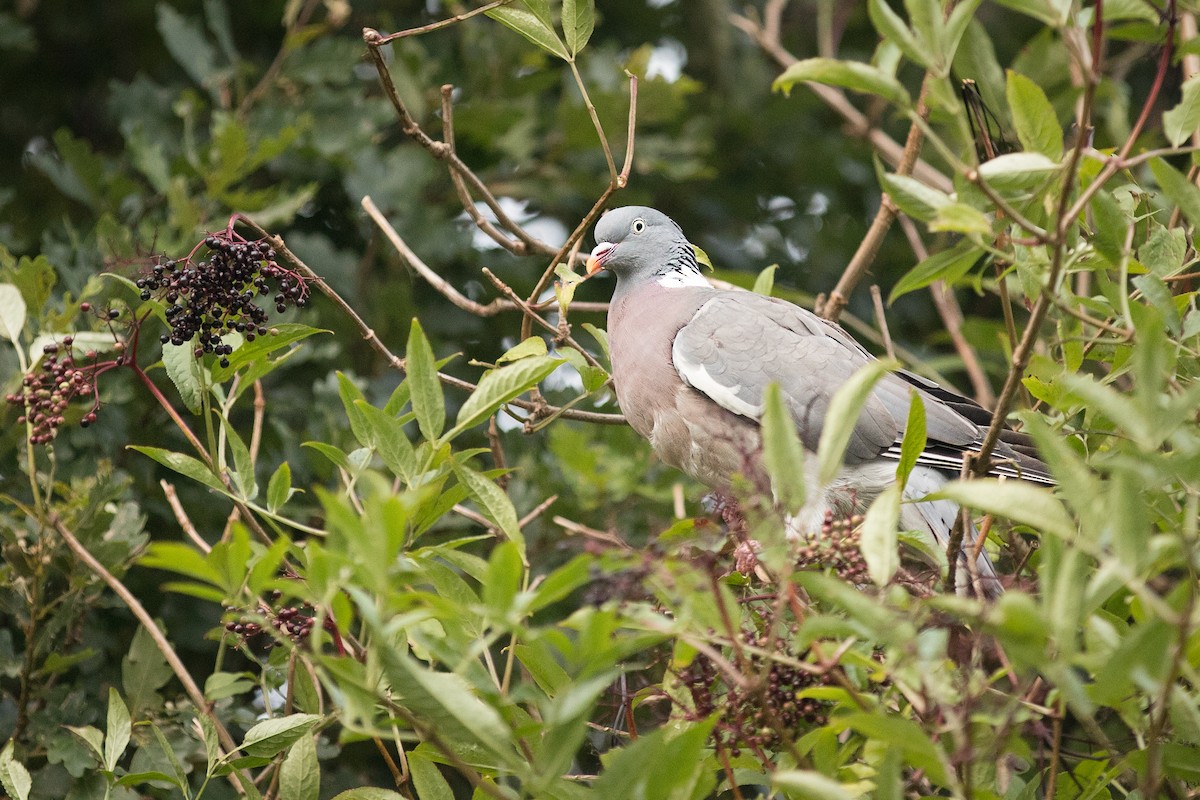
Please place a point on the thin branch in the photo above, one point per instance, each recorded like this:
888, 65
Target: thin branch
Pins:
395, 361
156, 634
533, 315
182, 518
858, 123
868, 248
881, 320
433, 26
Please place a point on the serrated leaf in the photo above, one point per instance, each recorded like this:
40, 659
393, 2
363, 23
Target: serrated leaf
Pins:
1017, 170
117, 730
12, 312
948, 265
853, 75
187, 44
913, 197
300, 773
578, 22
143, 670
783, 454
494, 503
1184, 119
764, 284
1033, 117
390, 441
183, 464
184, 370
279, 488
15, 779
169, 754
1179, 189
427, 399
273, 736
880, 531
91, 736
842, 417
533, 27
499, 386
1021, 502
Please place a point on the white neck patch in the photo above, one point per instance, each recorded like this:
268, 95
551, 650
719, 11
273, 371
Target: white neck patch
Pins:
680, 277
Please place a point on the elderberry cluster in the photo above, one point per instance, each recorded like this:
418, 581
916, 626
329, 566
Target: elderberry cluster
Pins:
294, 622
211, 298
752, 718
837, 548
45, 394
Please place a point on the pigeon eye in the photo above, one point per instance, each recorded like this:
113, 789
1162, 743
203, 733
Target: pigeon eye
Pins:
639, 225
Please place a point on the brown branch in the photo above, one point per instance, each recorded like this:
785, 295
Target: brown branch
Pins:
433, 26
881, 319
539, 319
395, 361
868, 248
952, 320
767, 38
182, 518
156, 634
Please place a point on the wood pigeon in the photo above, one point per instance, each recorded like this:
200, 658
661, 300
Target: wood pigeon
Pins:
691, 364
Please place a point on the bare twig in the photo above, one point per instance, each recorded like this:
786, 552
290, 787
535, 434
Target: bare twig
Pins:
182, 518
881, 320
433, 26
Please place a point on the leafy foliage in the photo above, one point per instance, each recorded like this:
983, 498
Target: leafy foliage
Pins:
302, 565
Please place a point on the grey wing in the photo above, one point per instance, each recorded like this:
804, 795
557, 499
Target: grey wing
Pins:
739, 342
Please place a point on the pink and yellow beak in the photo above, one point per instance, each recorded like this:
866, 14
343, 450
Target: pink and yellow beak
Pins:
599, 254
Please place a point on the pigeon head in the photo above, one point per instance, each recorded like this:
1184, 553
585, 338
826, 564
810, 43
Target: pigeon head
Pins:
638, 243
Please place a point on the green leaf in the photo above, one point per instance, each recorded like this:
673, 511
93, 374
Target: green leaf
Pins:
902, 734
387, 437
336, 456
852, 75
960, 218
1184, 119
1021, 502
499, 386
892, 27
168, 753
273, 736
809, 785
117, 730
278, 337
184, 370
12, 312
1033, 117
1013, 171
578, 21
279, 488
92, 737
913, 197
535, 27
15, 779
300, 773
842, 417
914, 437
368, 793
880, 530
783, 455
427, 778
764, 284
143, 671
427, 400
243, 464
183, 464
533, 346
349, 394
1178, 189
494, 503
947, 265
220, 685
186, 42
